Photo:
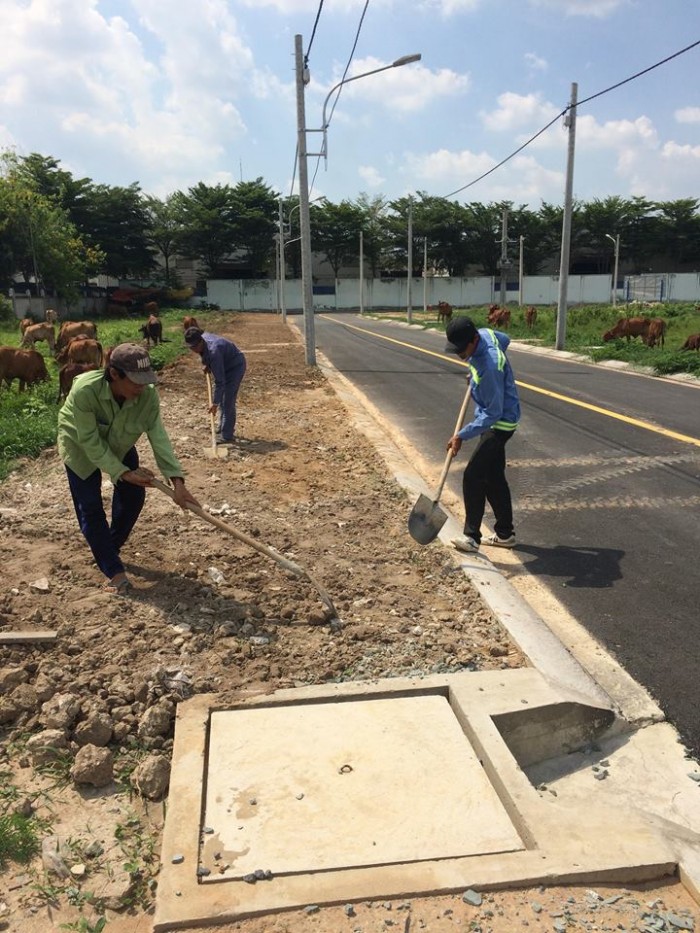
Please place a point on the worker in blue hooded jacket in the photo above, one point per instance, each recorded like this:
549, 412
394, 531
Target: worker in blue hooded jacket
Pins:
227, 364
496, 416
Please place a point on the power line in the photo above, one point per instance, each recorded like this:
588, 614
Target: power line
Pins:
566, 110
313, 33
347, 67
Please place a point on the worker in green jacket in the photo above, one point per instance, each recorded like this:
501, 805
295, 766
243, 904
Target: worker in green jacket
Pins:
103, 417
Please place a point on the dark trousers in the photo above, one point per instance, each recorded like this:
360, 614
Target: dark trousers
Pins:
106, 540
485, 479
227, 422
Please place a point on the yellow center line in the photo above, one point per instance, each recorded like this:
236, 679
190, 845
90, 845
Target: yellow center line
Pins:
635, 422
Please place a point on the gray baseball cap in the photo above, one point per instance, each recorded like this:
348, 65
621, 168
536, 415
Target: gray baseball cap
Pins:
134, 362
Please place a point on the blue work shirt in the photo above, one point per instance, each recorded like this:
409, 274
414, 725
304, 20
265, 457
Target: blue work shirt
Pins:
223, 358
496, 403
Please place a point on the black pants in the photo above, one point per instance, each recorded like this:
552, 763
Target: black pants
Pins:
485, 479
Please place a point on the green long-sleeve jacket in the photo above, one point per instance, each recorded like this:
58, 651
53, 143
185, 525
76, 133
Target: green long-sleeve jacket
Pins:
94, 432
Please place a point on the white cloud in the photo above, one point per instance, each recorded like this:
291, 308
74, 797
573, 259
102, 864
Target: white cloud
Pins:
370, 175
687, 115
594, 8
534, 62
616, 134
450, 7
516, 111
293, 7
406, 89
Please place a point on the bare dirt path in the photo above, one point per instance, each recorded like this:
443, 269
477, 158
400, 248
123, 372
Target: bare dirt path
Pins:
211, 615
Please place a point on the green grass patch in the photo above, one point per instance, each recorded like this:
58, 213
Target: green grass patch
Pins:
28, 419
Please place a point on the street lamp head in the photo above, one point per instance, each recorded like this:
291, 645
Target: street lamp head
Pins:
406, 60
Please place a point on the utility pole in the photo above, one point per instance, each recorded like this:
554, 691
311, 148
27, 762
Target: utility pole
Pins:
504, 263
283, 272
520, 272
570, 122
302, 79
425, 275
362, 272
409, 262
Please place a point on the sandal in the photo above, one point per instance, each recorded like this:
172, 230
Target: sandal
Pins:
123, 588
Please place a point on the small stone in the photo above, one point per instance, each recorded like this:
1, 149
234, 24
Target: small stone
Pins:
40, 586
208, 830
600, 775
177, 859
312, 909
250, 879
78, 871
472, 897
694, 776
536, 907
349, 910
203, 872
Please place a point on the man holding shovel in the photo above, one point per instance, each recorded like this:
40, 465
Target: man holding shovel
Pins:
227, 364
102, 419
496, 416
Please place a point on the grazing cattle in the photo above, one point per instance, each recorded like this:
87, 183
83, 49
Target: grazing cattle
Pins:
67, 374
530, 317
72, 329
37, 332
24, 324
189, 322
493, 308
692, 343
499, 317
27, 366
152, 330
629, 327
82, 350
444, 311
151, 307
50, 316
657, 329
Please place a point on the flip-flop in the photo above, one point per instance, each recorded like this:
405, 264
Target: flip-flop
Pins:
123, 588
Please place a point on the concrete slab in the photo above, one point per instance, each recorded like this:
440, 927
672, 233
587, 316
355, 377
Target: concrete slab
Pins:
314, 787
537, 838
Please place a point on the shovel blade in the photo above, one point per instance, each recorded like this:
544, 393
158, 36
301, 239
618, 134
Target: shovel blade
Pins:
426, 520
216, 453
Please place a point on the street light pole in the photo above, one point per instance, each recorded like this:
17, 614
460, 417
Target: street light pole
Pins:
425, 275
616, 241
302, 78
362, 272
283, 272
520, 275
570, 123
409, 264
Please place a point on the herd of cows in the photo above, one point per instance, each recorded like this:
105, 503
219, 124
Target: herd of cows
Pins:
75, 348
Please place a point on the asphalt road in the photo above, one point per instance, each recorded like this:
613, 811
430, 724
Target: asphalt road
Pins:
606, 508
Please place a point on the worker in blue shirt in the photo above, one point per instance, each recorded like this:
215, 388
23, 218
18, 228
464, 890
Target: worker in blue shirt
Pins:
227, 365
496, 416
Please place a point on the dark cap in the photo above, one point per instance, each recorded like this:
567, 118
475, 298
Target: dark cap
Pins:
193, 335
460, 332
134, 362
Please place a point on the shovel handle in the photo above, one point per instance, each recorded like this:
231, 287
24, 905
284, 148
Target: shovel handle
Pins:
211, 413
450, 457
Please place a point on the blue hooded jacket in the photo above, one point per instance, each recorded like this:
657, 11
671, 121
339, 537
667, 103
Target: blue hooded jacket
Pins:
496, 403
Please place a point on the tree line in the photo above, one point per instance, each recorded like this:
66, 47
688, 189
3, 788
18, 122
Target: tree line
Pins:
60, 231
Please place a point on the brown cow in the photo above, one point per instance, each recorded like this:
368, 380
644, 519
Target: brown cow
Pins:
189, 322
629, 327
657, 329
152, 330
82, 350
692, 343
24, 324
67, 374
500, 317
151, 307
26, 365
530, 317
444, 311
50, 316
37, 332
71, 329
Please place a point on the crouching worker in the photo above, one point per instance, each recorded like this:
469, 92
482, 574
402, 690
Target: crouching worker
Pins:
227, 364
104, 416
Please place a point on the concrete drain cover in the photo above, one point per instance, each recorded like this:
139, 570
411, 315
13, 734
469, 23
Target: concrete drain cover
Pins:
323, 786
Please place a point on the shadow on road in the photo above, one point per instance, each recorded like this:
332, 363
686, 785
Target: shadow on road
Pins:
588, 567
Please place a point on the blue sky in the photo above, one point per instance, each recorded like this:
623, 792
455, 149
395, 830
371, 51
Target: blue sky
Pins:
172, 92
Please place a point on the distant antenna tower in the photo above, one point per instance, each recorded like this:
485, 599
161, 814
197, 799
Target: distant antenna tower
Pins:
240, 165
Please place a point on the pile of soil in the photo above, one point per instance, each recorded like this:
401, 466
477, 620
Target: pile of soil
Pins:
211, 615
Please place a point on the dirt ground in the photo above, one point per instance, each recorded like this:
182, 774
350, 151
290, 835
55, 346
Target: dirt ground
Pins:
212, 615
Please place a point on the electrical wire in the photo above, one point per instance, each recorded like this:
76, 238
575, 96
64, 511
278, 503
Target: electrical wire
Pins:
347, 67
566, 110
313, 33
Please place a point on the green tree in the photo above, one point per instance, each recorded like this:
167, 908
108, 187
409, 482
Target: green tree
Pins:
375, 236
335, 232
164, 231
207, 216
119, 224
679, 230
256, 212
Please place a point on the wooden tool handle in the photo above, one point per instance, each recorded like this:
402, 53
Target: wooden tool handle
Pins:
211, 413
450, 457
